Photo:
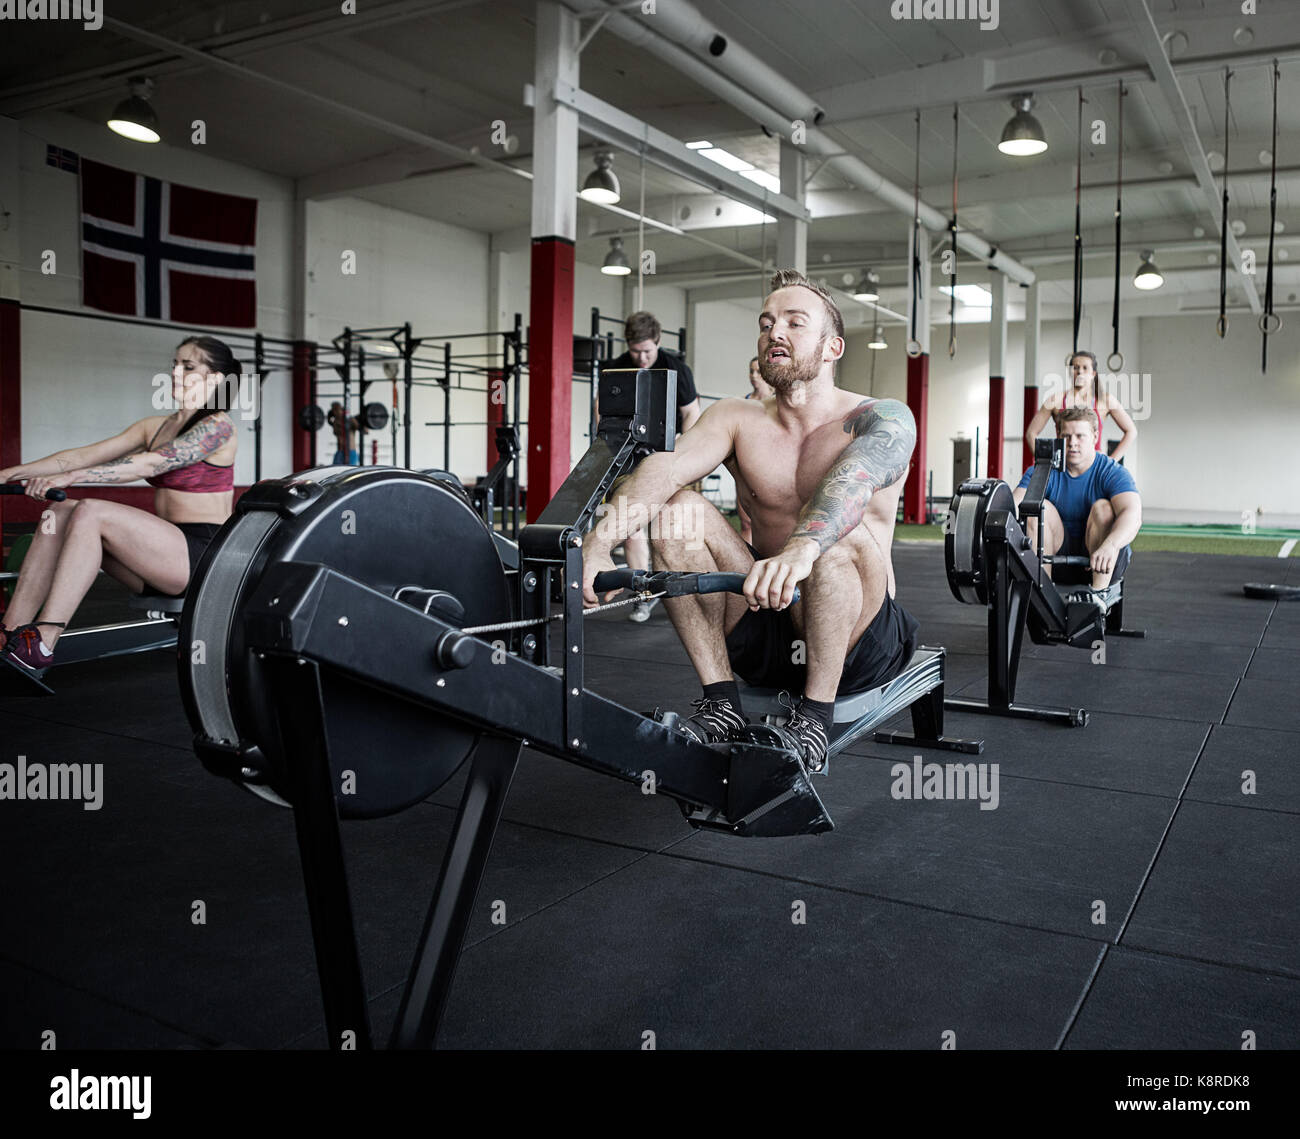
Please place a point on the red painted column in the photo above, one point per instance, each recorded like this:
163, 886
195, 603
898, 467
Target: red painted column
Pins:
550, 369
1031, 409
303, 449
918, 400
997, 413
11, 390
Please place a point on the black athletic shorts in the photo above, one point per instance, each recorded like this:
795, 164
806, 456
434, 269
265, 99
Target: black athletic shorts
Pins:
197, 537
762, 650
1079, 575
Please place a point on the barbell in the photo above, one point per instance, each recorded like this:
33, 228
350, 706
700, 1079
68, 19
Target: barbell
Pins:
312, 418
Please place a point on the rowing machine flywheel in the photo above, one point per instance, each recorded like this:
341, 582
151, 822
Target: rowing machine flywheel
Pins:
963, 543
386, 528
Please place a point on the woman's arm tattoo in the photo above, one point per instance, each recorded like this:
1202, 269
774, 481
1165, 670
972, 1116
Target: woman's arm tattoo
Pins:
884, 434
108, 472
200, 441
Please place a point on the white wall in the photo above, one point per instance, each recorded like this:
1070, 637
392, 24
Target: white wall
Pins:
413, 269
86, 379
1221, 438
725, 338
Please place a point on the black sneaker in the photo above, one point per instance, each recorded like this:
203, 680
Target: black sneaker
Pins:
715, 721
809, 737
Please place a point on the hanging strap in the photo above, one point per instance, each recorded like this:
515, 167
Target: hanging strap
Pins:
1222, 325
1115, 361
914, 342
1269, 321
1078, 233
952, 228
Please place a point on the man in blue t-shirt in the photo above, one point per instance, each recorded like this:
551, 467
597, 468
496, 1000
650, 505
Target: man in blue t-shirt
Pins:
1092, 508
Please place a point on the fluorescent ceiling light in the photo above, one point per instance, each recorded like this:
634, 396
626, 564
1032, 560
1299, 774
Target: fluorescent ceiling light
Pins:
701, 145
976, 296
763, 178
726, 159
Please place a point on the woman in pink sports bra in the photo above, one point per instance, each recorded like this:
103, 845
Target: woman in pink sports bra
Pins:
1083, 393
188, 456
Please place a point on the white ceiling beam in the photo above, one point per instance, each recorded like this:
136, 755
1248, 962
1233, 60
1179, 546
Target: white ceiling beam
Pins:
100, 82
345, 110
604, 121
1060, 64
1148, 39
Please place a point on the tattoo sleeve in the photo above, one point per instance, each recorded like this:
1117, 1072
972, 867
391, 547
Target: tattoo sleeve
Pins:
884, 434
195, 444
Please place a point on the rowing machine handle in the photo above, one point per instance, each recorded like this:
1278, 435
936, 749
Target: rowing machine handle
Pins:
18, 488
670, 583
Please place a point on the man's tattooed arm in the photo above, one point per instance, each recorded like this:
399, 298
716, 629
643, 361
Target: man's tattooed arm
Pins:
200, 441
884, 434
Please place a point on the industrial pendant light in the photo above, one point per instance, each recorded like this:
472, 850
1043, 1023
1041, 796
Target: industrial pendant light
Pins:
133, 117
601, 185
868, 287
1148, 276
877, 340
616, 262
1023, 135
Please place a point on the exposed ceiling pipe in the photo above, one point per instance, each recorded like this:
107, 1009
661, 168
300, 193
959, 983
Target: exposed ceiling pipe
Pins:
679, 26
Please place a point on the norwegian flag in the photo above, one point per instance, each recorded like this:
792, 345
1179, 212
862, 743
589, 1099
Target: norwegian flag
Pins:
158, 249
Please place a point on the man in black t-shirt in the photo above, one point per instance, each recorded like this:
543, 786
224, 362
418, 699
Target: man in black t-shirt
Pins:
641, 331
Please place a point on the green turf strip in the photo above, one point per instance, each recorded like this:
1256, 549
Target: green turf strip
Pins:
1180, 541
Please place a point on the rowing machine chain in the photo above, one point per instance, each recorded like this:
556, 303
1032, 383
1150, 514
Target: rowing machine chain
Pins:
532, 621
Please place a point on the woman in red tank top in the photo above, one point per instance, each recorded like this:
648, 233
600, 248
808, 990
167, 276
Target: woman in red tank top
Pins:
1083, 392
188, 457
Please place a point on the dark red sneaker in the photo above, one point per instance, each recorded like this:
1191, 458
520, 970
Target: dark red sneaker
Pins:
27, 652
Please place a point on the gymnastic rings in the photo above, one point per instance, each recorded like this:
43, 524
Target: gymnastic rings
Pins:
1221, 326
914, 348
1115, 361
1269, 323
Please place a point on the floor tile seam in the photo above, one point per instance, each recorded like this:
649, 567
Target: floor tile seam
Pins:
552, 830
188, 748
1251, 661
84, 990
945, 911
1088, 984
1160, 844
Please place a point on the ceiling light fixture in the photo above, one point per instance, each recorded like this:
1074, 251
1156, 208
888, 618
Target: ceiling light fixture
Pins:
868, 287
1148, 276
1023, 135
133, 117
601, 185
616, 263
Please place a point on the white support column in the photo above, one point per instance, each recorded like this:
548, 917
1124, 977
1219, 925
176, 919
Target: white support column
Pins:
552, 261
998, 326
499, 316
997, 376
792, 234
555, 126
302, 324
920, 236
1033, 336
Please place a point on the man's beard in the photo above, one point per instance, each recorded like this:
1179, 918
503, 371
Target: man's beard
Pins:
784, 378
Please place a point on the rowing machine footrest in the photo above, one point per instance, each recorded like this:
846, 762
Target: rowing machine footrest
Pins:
158, 606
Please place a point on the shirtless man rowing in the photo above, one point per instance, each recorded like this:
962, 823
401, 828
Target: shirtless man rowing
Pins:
819, 471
